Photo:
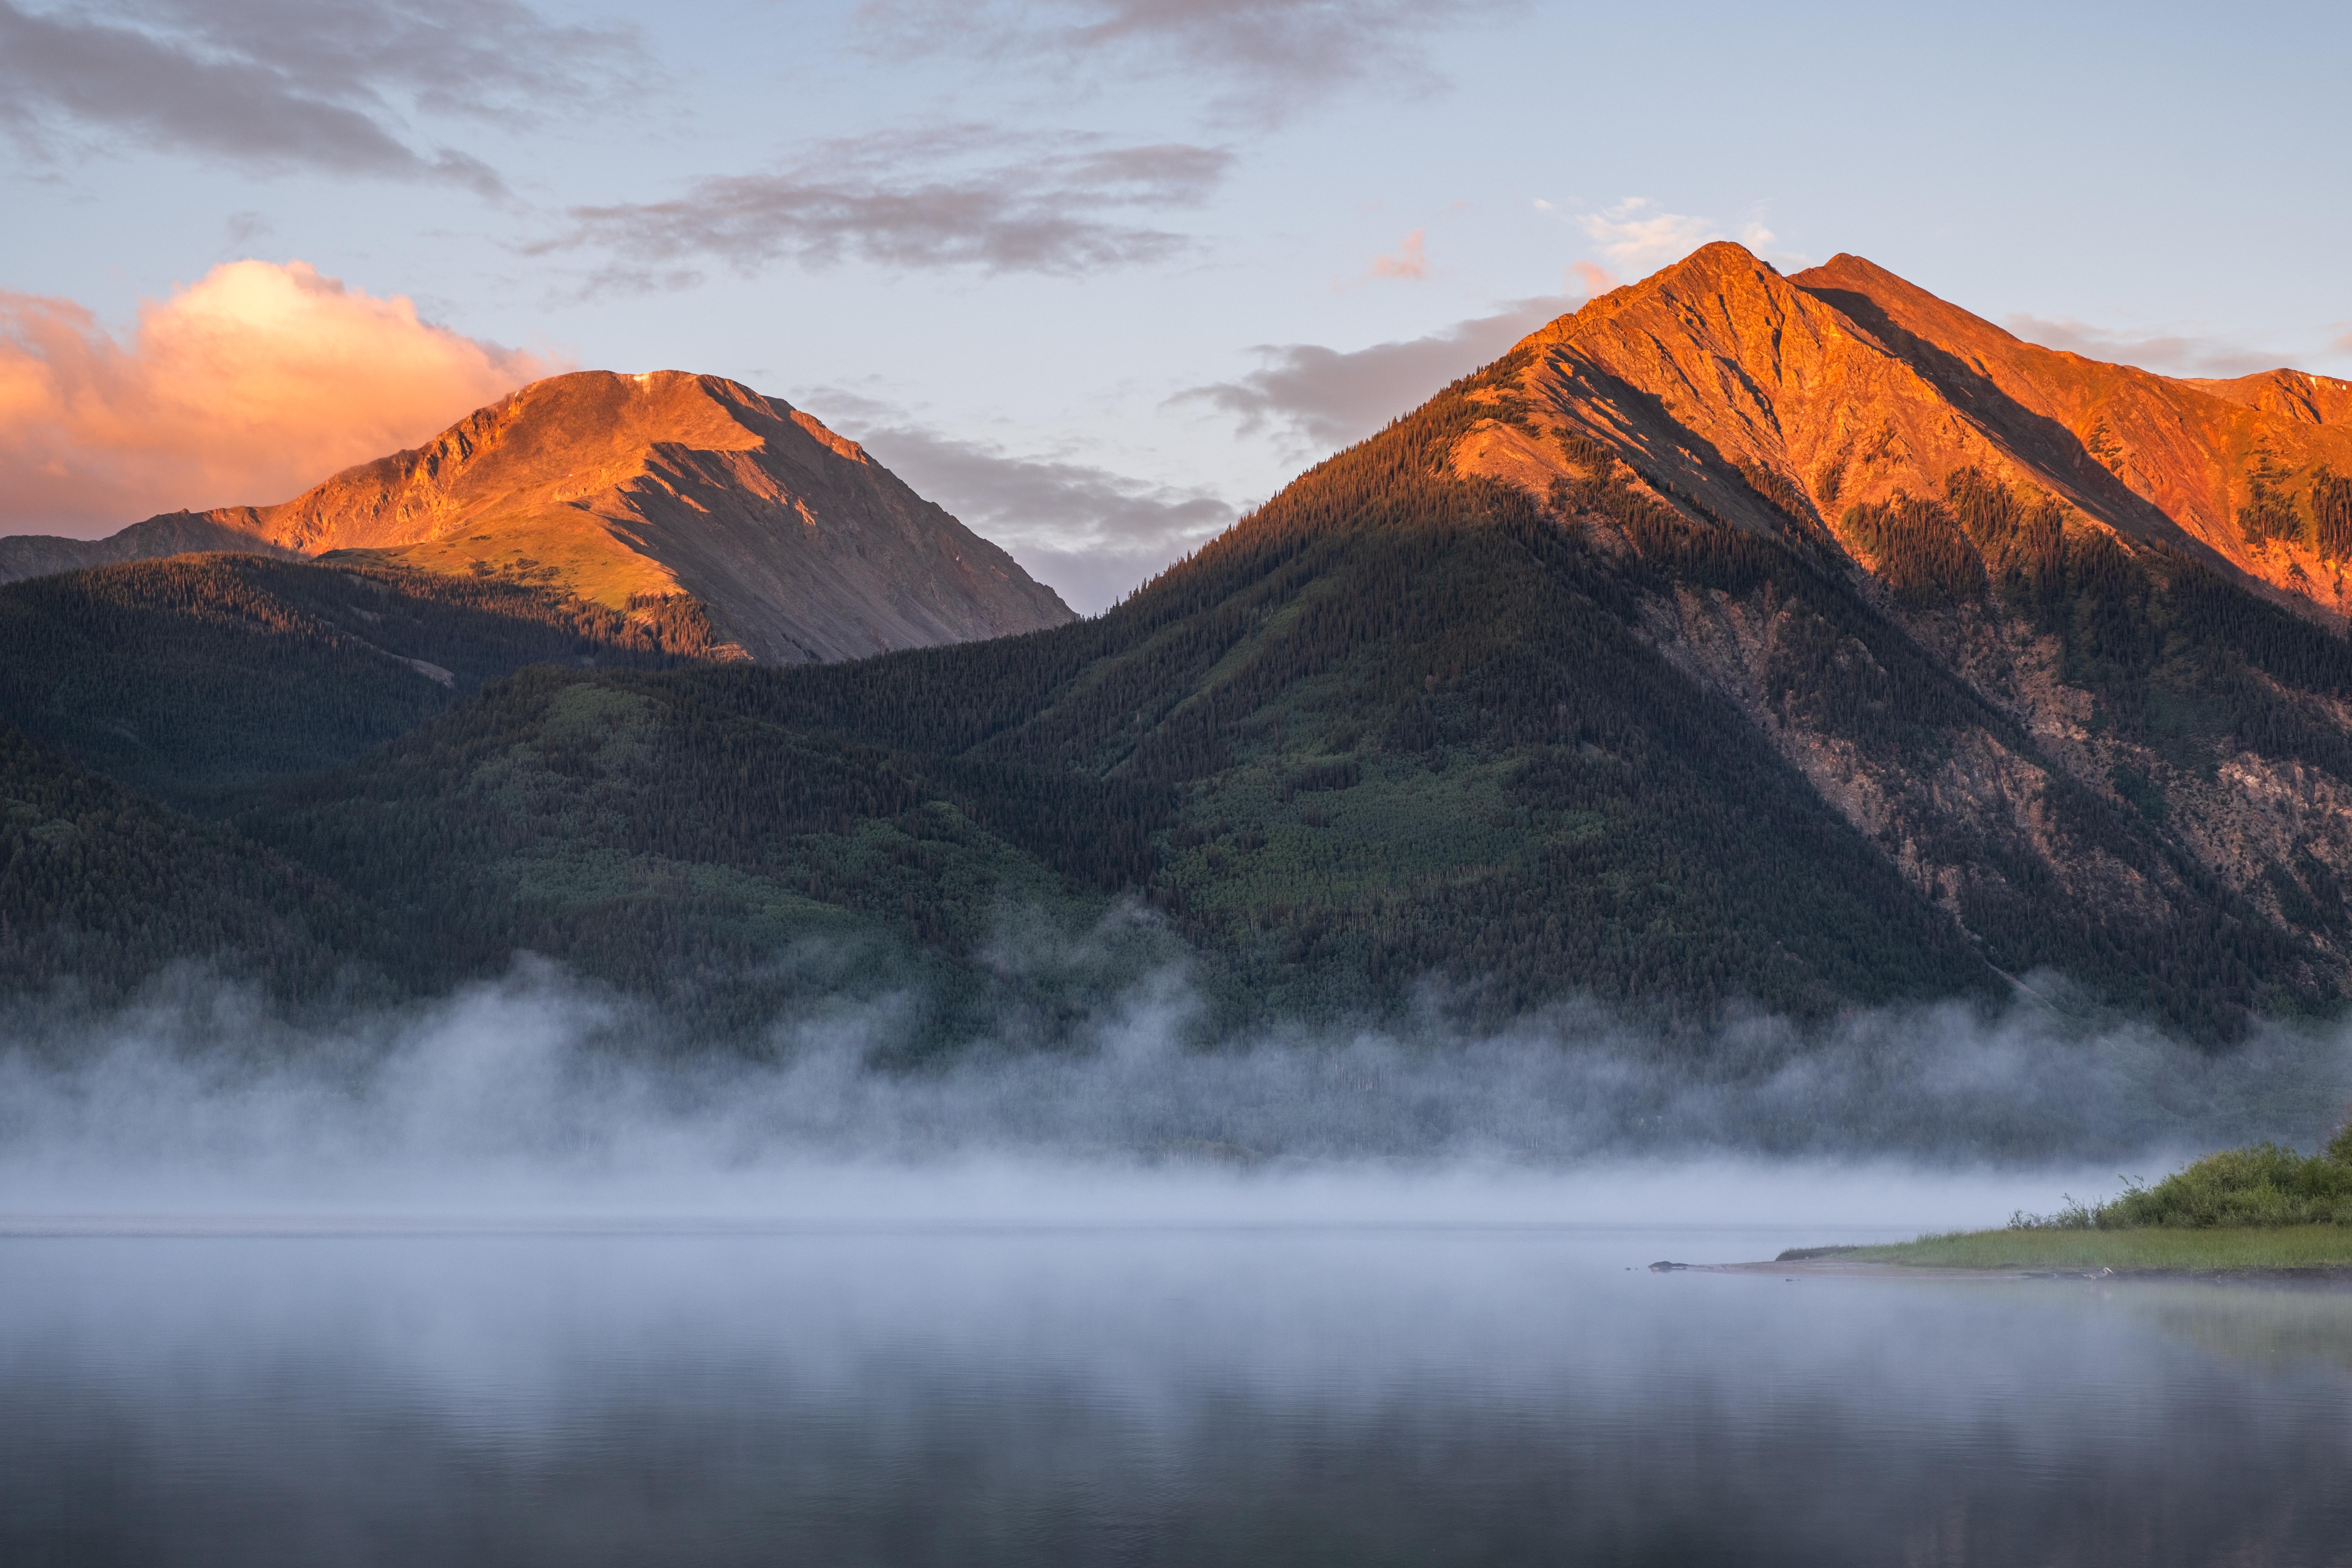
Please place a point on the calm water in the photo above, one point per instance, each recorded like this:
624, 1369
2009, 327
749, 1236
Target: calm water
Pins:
1083, 1395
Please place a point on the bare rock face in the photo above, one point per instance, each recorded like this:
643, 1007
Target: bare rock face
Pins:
639, 491
1719, 380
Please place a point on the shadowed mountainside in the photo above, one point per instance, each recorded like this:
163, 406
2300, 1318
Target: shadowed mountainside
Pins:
195, 673
628, 490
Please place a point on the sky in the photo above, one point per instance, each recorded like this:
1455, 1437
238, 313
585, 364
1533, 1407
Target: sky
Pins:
1096, 274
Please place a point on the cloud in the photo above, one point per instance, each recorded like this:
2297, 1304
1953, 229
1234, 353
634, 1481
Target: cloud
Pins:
251, 385
2170, 354
1409, 263
284, 84
1316, 399
1263, 59
962, 195
1640, 241
1592, 278
1090, 533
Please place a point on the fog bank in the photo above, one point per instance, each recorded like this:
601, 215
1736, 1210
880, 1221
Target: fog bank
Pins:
537, 1093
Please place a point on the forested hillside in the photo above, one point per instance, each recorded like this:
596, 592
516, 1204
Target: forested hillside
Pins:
194, 673
101, 890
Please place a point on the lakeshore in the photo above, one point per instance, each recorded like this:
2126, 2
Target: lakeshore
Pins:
2310, 1253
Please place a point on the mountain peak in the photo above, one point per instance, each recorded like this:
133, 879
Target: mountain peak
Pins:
628, 490
1721, 382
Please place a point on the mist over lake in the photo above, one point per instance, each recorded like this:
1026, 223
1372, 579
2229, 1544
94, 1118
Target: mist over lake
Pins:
1201, 1386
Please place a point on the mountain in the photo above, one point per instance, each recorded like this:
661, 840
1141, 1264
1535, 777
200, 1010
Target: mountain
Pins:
24, 555
1845, 385
1704, 652
631, 490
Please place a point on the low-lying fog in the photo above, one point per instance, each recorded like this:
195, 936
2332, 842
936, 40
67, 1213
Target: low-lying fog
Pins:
530, 1098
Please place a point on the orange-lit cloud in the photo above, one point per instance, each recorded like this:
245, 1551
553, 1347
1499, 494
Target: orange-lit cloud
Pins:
1590, 279
1409, 263
247, 386
1640, 239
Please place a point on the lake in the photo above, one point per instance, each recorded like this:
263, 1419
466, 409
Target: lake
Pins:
1087, 1389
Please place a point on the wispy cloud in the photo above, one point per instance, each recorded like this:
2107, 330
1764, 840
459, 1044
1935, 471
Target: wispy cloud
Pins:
1315, 399
1590, 278
1639, 239
962, 196
286, 84
2168, 353
1261, 60
1089, 532
245, 387
1409, 264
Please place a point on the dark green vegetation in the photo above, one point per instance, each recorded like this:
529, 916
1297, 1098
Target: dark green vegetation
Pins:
2265, 1185
190, 674
2313, 509
100, 888
1399, 735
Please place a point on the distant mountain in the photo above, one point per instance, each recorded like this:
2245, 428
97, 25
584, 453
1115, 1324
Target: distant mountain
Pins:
24, 555
1704, 652
630, 491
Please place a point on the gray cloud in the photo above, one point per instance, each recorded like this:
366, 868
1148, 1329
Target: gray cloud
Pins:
1269, 58
316, 84
2168, 354
962, 196
1316, 399
1089, 532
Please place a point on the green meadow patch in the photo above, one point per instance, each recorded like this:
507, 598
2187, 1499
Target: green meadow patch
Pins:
2146, 1249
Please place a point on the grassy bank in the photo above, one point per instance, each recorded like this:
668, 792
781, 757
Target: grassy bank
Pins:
2261, 1208
2166, 1248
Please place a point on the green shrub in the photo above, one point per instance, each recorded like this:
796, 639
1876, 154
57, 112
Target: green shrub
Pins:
2266, 1184
2263, 1185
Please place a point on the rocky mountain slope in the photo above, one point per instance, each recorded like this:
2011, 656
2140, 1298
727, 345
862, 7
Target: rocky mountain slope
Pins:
1845, 385
631, 490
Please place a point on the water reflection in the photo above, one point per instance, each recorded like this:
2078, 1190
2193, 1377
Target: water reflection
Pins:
1430, 1396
